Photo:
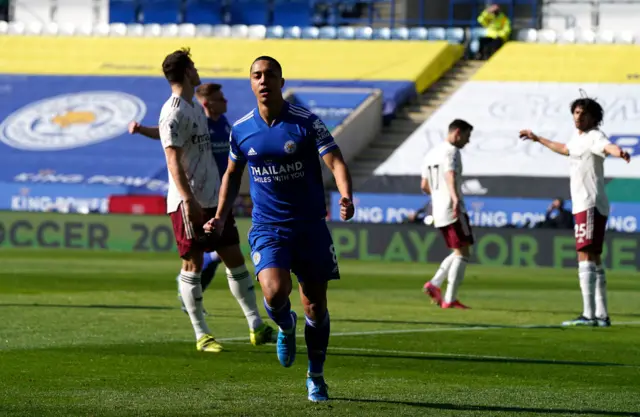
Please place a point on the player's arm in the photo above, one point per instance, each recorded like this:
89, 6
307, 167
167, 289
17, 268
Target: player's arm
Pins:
335, 162
450, 179
150, 132
556, 147
424, 186
618, 152
172, 142
231, 180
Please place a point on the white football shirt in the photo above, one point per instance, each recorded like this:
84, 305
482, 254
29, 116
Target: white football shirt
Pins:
586, 155
184, 125
441, 159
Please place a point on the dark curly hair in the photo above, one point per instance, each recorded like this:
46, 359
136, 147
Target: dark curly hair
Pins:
591, 107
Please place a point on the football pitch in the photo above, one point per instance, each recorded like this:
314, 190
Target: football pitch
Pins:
101, 334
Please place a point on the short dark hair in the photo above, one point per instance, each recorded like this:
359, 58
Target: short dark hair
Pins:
591, 107
206, 89
272, 60
176, 64
460, 124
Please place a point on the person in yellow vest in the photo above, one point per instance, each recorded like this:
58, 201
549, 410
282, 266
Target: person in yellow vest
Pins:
498, 30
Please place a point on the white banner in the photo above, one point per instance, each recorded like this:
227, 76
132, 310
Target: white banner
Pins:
498, 110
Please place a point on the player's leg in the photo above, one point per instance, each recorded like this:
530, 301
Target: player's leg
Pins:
459, 238
584, 227
601, 308
190, 281
271, 255
315, 263
242, 287
210, 264
433, 287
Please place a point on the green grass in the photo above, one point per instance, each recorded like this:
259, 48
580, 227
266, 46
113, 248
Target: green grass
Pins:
88, 334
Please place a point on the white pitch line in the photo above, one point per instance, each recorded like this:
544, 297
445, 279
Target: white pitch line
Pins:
441, 329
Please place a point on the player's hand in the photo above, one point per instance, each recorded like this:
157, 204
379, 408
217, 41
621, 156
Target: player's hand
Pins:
528, 134
347, 209
215, 225
134, 127
625, 155
456, 208
193, 211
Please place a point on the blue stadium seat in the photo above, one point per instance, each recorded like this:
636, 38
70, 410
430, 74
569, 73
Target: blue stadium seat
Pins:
249, 12
328, 32
162, 11
292, 32
400, 34
204, 12
292, 12
436, 34
123, 11
363, 33
310, 32
275, 32
455, 35
418, 34
346, 32
477, 33
381, 34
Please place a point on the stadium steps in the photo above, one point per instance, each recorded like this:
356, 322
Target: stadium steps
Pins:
409, 118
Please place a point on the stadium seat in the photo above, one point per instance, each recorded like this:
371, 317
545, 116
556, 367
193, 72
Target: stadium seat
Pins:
123, 11
400, 34
221, 31
454, 35
310, 32
239, 31
293, 32
346, 32
248, 12
292, 12
527, 35
204, 30
67, 29
327, 32
49, 29
203, 12
152, 30
585, 36
113, 29
605, 36
135, 29
547, 36
625, 37
567, 37
84, 29
162, 11
4, 27
381, 34
170, 30
16, 28
275, 32
187, 30
437, 34
257, 32
32, 28
363, 33
477, 33
418, 34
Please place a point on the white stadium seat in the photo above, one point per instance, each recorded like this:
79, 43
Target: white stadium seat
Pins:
187, 30
16, 28
152, 30
114, 29
204, 30
67, 29
585, 36
257, 32
4, 27
547, 36
135, 29
169, 30
527, 35
34, 28
239, 31
85, 29
605, 36
568, 36
625, 37
221, 31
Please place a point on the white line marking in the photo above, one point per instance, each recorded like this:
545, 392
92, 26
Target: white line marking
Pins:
443, 329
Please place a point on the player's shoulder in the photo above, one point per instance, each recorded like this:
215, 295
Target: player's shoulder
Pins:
243, 126
301, 114
597, 134
174, 107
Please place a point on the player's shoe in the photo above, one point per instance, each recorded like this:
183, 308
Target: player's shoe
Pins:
286, 347
184, 309
263, 334
433, 292
454, 304
208, 344
603, 322
317, 388
581, 321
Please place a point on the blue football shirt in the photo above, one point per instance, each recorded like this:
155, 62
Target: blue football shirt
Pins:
219, 133
283, 164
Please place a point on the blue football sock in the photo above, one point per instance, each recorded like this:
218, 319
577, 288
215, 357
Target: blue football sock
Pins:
280, 315
316, 334
209, 271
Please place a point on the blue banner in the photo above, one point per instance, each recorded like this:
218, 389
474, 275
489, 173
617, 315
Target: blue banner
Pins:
483, 211
332, 106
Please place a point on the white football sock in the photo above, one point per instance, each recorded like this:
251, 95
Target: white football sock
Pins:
191, 292
456, 276
601, 293
442, 272
241, 286
587, 274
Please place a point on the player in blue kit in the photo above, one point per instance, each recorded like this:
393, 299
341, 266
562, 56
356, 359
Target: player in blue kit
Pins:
279, 143
214, 103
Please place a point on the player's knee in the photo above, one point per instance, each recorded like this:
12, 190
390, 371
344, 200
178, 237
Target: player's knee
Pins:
231, 256
192, 264
237, 273
315, 311
275, 284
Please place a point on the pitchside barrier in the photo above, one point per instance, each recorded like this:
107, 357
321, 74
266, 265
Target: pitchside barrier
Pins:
359, 241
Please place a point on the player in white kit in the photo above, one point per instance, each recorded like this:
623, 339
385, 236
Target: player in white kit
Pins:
587, 149
442, 179
194, 184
